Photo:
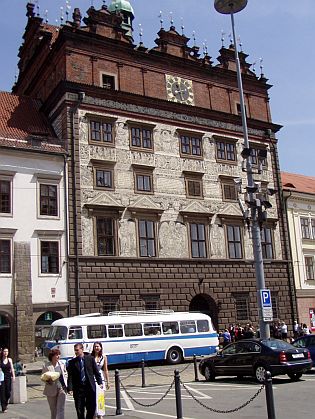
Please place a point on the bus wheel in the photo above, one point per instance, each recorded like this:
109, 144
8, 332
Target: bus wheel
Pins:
174, 355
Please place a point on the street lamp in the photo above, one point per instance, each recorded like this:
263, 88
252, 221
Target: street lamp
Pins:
257, 215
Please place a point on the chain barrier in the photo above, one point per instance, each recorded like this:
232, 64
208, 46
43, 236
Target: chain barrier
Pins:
129, 375
224, 411
166, 375
150, 404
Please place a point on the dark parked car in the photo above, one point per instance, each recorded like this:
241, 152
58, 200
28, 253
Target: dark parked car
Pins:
256, 356
307, 341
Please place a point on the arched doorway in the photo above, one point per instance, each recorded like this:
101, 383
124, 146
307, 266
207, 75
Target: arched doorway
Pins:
5, 328
42, 326
205, 304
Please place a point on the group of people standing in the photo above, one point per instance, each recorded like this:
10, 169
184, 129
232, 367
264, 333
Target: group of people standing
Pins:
79, 379
7, 376
236, 332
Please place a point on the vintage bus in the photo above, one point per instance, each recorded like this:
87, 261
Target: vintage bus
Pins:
133, 336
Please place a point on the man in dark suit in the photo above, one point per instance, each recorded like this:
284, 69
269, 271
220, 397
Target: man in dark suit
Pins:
81, 372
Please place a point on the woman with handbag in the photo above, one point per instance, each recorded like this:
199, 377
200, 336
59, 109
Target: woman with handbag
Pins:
6, 366
101, 362
55, 389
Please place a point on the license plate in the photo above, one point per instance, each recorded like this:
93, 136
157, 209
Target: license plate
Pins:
297, 355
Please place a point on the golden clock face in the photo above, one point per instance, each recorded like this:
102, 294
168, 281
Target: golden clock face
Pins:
179, 90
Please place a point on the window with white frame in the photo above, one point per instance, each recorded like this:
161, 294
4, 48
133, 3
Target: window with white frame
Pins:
309, 267
5, 256
305, 228
48, 197
49, 256
5, 195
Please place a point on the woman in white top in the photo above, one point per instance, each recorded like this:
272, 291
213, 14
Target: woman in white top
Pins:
55, 391
101, 362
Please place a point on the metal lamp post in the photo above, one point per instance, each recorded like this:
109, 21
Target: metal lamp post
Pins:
230, 7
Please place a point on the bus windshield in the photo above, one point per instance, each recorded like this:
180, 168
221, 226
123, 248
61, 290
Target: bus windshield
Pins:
58, 333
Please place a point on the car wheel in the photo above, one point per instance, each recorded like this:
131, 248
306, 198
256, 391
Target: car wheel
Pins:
260, 373
174, 356
209, 373
295, 376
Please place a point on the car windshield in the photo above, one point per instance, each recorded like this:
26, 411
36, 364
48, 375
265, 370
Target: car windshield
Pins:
277, 344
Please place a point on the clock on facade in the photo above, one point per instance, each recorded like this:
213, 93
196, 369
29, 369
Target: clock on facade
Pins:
179, 90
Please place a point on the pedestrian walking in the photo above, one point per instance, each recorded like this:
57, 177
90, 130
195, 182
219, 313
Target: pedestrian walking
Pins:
55, 390
82, 374
102, 366
284, 331
6, 365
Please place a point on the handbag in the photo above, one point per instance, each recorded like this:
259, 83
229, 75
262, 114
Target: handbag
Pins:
100, 401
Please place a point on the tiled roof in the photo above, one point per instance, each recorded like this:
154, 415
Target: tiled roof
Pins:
298, 183
23, 126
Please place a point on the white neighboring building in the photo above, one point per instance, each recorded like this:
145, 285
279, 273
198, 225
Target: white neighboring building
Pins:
299, 195
33, 239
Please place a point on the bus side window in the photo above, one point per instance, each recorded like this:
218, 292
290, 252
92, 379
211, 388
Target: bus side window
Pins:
115, 331
75, 332
134, 329
151, 329
203, 325
170, 328
188, 326
96, 331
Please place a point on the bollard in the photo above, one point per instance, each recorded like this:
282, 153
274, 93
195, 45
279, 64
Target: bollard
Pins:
178, 395
269, 396
196, 368
117, 388
142, 373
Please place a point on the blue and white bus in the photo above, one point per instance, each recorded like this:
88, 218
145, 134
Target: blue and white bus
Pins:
133, 336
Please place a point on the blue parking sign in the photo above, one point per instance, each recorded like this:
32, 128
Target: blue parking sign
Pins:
265, 298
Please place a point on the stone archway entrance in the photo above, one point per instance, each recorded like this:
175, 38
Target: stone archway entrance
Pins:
42, 326
205, 304
5, 329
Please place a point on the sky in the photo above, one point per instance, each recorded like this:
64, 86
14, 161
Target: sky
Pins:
281, 32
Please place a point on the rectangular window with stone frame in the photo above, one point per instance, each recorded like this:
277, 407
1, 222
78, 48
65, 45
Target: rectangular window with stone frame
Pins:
266, 235
141, 137
229, 191
254, 154
313, 228
151, 302
5, 256
105, 236
147, 238
309, 267
109, 303
49, 256
198, 240
194, 185
103, 177
305, 228
191, 146
143, 179
108, 81
5, 196
241, 301
102, 132
225, 151
234, 241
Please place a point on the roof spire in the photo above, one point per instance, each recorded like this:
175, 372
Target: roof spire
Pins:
124, 7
